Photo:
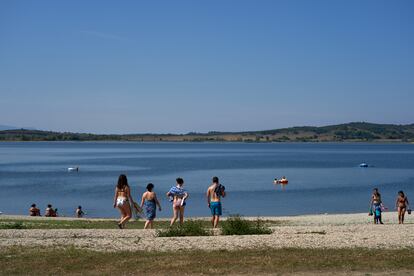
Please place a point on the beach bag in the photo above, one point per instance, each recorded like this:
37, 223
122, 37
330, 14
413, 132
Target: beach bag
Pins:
370, 212
409, 211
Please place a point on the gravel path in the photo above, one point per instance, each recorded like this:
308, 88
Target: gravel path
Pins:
316, 231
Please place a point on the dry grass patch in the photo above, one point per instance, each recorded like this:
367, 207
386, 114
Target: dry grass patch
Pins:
44, 261
57, 223
189, 228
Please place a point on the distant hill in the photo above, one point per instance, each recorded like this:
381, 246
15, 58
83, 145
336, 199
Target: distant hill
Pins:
4, 127
357, 132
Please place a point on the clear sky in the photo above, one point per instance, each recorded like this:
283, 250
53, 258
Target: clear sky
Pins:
180, 66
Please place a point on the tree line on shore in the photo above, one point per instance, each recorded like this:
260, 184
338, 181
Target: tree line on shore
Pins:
358, 131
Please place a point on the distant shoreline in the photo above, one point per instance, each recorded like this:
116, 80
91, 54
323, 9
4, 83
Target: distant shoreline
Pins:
396, 142
350, 132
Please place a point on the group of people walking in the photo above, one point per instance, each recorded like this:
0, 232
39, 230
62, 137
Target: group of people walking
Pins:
177, 196
377, 207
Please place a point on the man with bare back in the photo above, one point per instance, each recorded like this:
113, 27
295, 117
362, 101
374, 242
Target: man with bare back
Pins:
214, 194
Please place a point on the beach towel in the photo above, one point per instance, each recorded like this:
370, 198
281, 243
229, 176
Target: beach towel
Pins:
150, 209
177, 191
219, 190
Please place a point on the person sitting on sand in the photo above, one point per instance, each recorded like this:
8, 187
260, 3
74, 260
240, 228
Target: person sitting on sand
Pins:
214, 193
375, 206
178, 195
34, 211
50, 212
79, 212
401, 204
122, 200
150, 202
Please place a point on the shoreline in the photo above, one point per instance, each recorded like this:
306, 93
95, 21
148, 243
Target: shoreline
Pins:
320, 218
373, 142
305, 232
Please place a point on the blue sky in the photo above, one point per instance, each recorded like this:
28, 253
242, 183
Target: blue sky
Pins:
180, 66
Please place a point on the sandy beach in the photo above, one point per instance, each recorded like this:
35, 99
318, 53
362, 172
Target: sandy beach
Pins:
312, 231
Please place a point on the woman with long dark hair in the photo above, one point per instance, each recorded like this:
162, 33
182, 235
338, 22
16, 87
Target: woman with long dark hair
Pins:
123, 200
401, 204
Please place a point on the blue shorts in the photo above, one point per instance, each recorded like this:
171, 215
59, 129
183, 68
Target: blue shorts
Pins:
215, 208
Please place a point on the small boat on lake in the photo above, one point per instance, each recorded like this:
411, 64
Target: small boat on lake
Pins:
282, 181
363, 165
73, 169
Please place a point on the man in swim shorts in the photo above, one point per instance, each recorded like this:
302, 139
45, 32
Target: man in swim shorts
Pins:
214, 194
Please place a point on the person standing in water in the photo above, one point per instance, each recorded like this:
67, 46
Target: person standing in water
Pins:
401, 204
178, 195
150, 201
123, 200
375, 206
214, 194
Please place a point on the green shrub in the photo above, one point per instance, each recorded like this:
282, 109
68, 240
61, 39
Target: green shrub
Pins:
235, 225
189, 228
12, 225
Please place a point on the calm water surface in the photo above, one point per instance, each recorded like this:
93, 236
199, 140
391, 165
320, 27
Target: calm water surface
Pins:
323, 178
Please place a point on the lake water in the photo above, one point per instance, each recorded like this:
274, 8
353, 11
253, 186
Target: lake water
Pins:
323, 178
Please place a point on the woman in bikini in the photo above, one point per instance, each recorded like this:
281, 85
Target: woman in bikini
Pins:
178, 195
123, 200
401, 205
150, 202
